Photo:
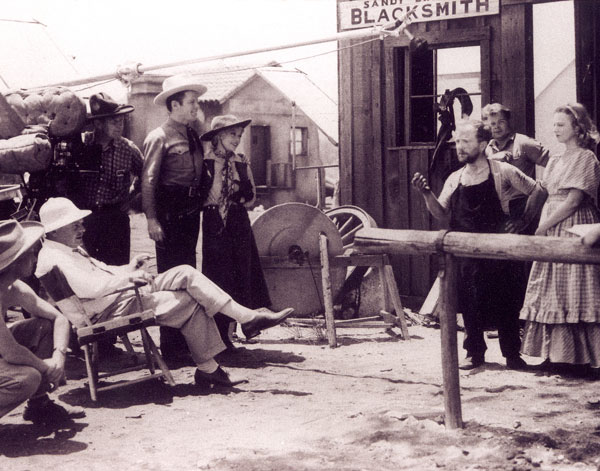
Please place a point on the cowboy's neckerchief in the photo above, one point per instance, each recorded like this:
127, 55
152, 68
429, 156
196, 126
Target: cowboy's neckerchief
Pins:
229, 187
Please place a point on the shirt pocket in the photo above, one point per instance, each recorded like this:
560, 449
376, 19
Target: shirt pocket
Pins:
178, 157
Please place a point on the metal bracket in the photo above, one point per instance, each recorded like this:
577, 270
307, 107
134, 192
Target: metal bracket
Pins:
439, 249
128, 72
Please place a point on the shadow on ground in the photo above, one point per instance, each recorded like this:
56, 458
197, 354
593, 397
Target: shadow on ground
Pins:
18, 440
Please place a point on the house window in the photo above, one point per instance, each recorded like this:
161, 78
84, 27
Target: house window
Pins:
299, 141
422, 79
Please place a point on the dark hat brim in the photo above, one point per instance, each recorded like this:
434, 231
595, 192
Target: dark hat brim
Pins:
207, 136
123, 109
32, 232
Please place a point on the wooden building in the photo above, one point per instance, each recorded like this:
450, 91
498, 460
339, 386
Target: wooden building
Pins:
388, 92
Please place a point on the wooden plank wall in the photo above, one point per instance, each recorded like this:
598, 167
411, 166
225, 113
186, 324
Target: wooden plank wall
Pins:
375, 170
587, 47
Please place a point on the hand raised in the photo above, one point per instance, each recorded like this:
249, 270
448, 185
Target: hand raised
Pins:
420, 183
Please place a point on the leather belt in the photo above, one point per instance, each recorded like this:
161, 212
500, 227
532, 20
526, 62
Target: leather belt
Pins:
180, 190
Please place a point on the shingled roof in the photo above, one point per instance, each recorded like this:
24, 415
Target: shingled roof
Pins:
295, 85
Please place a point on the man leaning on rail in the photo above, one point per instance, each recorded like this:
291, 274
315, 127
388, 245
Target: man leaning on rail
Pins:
181, 297
475, 199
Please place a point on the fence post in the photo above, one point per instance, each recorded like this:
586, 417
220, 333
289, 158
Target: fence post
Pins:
327, 297
447, 310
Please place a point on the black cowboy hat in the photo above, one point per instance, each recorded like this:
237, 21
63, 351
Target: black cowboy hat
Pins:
103, 106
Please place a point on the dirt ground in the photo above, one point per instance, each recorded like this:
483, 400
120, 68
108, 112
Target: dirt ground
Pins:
373, 403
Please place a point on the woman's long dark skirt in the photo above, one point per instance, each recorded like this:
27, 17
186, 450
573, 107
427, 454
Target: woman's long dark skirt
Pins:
230, 259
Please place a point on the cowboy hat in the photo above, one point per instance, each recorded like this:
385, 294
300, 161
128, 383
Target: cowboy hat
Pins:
59, 212
179, 83
103, 106
17, 238
221, 123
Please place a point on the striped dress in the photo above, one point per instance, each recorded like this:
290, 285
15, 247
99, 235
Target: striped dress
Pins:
562, 303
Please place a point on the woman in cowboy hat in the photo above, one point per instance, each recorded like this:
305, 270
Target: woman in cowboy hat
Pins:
229, 253
29, 372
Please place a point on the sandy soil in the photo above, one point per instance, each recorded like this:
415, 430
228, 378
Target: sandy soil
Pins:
373, 403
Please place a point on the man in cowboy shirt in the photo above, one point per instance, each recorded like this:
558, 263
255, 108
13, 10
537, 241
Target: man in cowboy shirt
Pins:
181, 297
516, 149
108, 192
32, 351
170, 185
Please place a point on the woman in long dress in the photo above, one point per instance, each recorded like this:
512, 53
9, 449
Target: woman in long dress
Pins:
562, 303
229, 254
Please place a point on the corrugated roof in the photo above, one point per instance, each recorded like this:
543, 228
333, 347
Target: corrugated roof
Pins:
29, 57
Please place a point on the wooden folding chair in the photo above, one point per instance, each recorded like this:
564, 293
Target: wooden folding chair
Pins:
89, 334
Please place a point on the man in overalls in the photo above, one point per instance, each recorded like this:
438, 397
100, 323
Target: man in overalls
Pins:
475, 199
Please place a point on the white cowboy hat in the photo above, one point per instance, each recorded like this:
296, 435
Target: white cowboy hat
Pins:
220, 123
17, 238
176, 84
59, 212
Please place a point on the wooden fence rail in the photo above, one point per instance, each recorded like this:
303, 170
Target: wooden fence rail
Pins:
463, 244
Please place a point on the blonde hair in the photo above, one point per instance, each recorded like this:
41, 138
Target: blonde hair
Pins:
587, 136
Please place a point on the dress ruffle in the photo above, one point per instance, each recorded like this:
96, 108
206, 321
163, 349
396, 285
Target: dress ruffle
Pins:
576, 344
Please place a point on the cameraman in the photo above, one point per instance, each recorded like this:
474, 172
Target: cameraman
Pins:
108, 192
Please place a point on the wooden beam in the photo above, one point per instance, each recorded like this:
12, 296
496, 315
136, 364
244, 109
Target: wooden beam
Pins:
464, 244
327, 296
447, 310
517, 63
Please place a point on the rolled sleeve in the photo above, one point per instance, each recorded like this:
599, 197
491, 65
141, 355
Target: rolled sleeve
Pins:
518, 179
534, 151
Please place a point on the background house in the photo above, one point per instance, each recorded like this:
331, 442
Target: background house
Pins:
286, 109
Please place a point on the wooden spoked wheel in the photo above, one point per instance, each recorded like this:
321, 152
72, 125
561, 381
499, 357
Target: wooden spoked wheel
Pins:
349, 220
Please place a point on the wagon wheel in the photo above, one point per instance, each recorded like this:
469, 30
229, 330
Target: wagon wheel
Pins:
349, 220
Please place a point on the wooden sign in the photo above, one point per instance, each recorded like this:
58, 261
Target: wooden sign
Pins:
366, 13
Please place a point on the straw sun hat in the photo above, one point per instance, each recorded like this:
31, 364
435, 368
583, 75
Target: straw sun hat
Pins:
59, 212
